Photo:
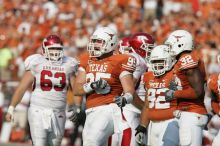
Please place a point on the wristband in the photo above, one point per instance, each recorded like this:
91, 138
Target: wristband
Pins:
87, 88
11, 110
128, 97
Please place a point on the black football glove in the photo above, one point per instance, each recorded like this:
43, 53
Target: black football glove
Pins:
169, 95
75, 109
101, 86
139, 135
173, 85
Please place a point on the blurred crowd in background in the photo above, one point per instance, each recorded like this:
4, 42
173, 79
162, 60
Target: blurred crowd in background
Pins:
24, 24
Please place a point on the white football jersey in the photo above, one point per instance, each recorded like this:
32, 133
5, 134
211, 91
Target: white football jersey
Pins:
51, 80
141, 68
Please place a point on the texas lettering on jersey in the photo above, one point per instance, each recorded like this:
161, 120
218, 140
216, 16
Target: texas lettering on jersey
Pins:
109, 69
98, 67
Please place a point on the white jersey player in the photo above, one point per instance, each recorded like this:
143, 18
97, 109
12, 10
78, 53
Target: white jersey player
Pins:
50, 75
139, 45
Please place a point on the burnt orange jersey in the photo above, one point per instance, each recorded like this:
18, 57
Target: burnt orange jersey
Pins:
110, 69
214, 86
156, 87
190, 60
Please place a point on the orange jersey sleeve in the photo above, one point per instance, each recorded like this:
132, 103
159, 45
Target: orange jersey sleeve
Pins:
128, 63
83, 61
188, 61
213, 83
214, 89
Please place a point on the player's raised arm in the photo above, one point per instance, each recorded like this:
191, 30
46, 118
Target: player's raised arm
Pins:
25, 83
196, 88
126, 78
196, 80
79, 81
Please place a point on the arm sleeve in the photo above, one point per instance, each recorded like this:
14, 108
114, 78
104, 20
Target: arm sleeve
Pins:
212, 83
31, 62
188, 93
28, 63
215, 107
128, 66
83, 60
189, 61
213, 87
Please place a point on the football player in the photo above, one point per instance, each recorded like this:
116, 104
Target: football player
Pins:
103, 76
189, 68
137, 45
143, 44
156, 109
50, 74
214, 89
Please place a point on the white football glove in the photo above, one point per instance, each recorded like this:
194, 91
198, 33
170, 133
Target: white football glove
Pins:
100, 86
121, 101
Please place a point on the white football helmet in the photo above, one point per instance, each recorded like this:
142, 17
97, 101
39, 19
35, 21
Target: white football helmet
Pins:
179, 41
161, 60
102, 41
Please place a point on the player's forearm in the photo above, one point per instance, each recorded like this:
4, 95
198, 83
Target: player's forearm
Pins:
196, 80
78, 90
188, 93
138, 102
144, 121
77, 100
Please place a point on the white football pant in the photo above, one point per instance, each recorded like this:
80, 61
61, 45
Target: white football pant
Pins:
214, 129
156, 130
101, 123
191, 127
127, 137
46, 125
